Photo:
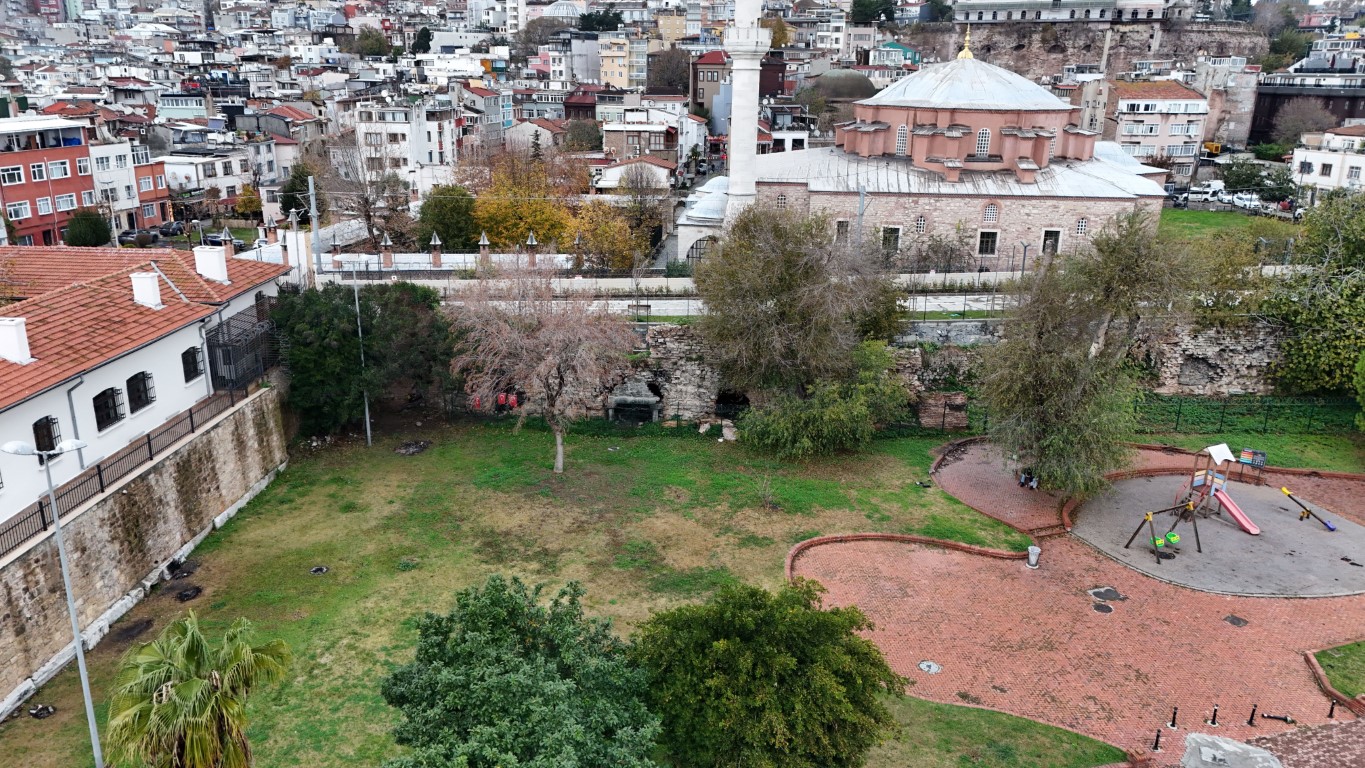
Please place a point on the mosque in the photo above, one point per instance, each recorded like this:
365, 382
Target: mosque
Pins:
964, 151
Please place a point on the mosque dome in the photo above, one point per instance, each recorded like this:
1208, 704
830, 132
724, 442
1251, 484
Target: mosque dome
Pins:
563, 9
845, 84
968, 83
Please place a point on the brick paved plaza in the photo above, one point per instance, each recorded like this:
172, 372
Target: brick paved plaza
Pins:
1032, 643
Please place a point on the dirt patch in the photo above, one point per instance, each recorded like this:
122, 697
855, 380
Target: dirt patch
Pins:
128, 631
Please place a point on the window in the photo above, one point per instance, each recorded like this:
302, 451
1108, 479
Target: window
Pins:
66, 202
244, 166
983, 142
102, 163
108, 408
210, 171
1052, 148
13, 174
82, 166
781, 201
986, 242
109, 195
144, 184
1081, 226
38, 172
87, 197
148, 211
141, 392
1305, 167
921, 224
227, 167
231, 191
891, 240
1326, 170
121, 161
991, 214
192, 361
58, 170
374, 139
17, 211
128, 192
160, 181
656, 141
902, 139
841, 232
46, 435
1353, 173
44, 205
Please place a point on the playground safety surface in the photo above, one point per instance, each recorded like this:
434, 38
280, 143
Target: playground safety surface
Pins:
1290, 557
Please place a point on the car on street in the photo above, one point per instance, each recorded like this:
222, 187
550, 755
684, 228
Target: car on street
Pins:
218, 240
1247, 201
172, 229
130, 236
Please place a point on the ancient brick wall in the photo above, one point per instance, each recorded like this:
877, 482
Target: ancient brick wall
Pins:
119, 544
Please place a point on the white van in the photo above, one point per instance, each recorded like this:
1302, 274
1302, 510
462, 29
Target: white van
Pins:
1206, 191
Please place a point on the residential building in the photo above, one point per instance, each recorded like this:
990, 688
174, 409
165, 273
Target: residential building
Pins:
45, 174
210, 175
1160, 120
1332, 159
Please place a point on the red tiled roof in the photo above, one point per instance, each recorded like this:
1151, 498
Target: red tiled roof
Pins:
1154, 89
483, 92
78, 328
35, 270
651, 160
291, 113
553, 126
712, 57
1347, 130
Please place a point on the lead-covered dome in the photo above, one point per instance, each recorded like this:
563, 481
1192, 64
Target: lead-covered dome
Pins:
967, 83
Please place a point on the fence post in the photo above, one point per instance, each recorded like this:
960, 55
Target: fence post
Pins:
42, 514
232, 397
191, 419
1221, 413
99, 473
985, 419
1179, 406
943, 420
1312, 411
150, 453
1265, 417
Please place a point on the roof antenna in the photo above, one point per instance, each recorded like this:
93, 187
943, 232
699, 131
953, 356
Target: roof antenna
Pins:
966, 52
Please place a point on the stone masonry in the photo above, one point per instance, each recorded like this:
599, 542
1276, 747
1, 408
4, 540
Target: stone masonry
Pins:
120, 543
1213, 361
677, 366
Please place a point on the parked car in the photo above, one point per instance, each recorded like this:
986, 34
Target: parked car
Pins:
703, 167
130, 236
172, 229
218, 240
1205, 192
1247, 201
1181, 200
1224, 197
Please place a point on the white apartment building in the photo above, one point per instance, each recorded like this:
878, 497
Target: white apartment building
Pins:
1332, 159
112, 169
227, 170
1161, 119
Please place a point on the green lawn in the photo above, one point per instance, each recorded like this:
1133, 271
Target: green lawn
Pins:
645, 518
1345, 667
1336, 453
1187, 223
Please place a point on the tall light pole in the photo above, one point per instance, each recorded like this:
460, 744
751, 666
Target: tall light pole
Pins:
19, 448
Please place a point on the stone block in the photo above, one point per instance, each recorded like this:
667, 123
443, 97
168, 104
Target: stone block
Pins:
1205, 751
943, 410
55, 664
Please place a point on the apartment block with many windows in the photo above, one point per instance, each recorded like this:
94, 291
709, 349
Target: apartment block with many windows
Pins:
45, 174
1160, 120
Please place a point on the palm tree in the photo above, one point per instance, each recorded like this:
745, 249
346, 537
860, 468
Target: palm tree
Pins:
180, 702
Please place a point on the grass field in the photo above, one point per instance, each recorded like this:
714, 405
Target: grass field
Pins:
645, 519
1345, 667
1188, 223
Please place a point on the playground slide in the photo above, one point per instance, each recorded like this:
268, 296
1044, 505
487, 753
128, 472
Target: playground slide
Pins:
1236, 512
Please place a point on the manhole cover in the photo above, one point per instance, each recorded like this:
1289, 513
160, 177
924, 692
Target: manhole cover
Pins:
1102, 608
1107, 594
930, 667
1236, 621
318, 570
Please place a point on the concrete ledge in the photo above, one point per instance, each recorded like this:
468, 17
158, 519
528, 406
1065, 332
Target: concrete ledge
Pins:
903, 538
1356, 706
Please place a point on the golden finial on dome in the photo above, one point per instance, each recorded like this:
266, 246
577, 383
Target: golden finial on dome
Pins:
966, 52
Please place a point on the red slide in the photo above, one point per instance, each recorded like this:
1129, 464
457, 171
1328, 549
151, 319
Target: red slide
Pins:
1236, 512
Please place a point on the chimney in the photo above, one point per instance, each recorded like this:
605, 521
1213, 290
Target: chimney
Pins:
272, 234
229, 250
336, 254
147, 289
435, 251
14, 340
484, 261
386, 251
210, 261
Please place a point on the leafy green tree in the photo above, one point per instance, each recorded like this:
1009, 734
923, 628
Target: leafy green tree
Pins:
834, 415
180, 701
506, 680
768, 680
872, 11
248, 203
370, 41
607, 20
6, 69
1272, 152
781, 33
1360, 391
87, 228
1243, 175
294, 193
411, 342
448, 212
784, 300
1058, 385
1322, 309
421, 42
583, 136
1278, 184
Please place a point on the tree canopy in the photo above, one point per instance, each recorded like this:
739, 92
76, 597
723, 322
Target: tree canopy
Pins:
521, 199
505, 679
781, 33
670, 69
1058, 384
369, 41
248, 203
421, 42
766, 680
603, 239
1296, 117
182, 701
294, 193
87, 228
873, 11
448, 212
606, 20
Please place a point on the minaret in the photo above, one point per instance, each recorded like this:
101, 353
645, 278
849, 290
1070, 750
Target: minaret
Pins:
747, 43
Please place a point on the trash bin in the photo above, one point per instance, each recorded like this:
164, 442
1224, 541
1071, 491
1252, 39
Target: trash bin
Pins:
1033, 553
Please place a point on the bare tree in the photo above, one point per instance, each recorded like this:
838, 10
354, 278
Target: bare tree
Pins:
563, 355
361, 179
671, 70
1299, 116
536, 33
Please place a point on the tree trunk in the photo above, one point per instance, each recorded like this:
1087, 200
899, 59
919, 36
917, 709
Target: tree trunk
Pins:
559, 450
1101, 335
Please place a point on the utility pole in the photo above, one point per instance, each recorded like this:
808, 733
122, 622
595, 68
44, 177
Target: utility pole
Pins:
862, 207
317, 260
360, 334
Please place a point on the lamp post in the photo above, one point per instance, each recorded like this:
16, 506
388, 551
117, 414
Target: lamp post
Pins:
1024, 261
19, 448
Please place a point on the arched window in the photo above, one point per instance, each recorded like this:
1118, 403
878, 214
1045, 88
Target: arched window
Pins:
1073, 13
991, 214
1103, 11
980, 15
983, 142
1135, 13
1149, 13
921, 224
995, 15
902, 139
1087, 13
1009, 15
1081, 226
700, 249
1052, 148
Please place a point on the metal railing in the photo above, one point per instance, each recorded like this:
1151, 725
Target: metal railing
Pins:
36, 518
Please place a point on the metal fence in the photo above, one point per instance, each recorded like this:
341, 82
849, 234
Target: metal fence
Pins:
37, 517
243, 347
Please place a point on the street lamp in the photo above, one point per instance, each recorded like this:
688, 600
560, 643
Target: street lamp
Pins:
19, 448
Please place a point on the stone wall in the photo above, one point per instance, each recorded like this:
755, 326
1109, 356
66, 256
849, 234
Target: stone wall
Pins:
120, 543
1035, 50
1213, 361
677, 367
